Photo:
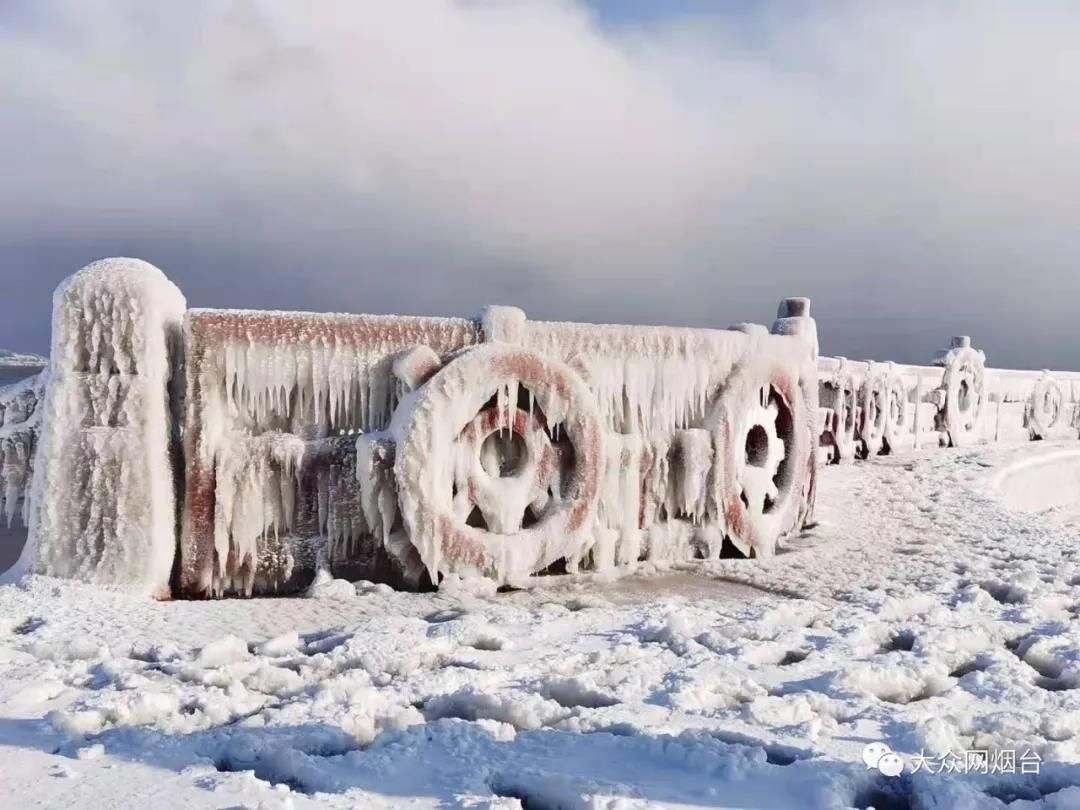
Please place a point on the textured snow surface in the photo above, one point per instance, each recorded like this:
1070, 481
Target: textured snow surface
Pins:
922, 612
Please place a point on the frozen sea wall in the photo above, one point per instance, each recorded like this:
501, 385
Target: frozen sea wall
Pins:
409, 449
207, 453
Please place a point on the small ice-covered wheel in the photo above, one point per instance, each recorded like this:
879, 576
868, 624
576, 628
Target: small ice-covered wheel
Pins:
1045, 408
840, 396
498, 464
899, 433
763, 432
965, 395
873, 413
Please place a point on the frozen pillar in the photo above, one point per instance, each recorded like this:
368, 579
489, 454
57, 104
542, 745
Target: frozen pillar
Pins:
104, 505
793, 318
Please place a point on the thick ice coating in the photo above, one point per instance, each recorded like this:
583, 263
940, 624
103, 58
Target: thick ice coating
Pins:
20, 426
103, 503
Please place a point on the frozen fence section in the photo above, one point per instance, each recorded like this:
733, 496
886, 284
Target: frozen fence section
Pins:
20, 425
409, 449
870, 408
103, 500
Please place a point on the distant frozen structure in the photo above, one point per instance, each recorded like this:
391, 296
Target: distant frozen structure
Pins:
103, 497
870, 408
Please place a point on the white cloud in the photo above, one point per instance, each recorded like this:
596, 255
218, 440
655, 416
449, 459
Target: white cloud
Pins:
696, 170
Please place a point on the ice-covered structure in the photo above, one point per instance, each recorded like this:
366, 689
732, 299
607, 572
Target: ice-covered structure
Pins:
407, 449
870, 408
218, 452
103, 498
20, 425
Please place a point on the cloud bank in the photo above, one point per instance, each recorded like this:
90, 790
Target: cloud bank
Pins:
913, 167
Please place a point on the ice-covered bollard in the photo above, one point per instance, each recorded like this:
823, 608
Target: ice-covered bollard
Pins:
499, 324
415, 366
793, 318
104, 494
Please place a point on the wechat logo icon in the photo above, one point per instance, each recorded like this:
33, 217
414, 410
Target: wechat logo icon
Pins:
879, 755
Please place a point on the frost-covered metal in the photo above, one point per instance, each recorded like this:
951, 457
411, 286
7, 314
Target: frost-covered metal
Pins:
410, 449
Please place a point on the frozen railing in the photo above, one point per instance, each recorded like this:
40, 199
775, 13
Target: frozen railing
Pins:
20, 425
870, 408
408, 449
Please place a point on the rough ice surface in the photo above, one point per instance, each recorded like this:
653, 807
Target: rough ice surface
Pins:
20, 426
324, 381
606, 428
103, 505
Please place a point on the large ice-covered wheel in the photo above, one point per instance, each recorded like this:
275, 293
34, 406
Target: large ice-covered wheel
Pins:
899, 415
965, 395
1045, 408
873, 413
763, 433
498, 464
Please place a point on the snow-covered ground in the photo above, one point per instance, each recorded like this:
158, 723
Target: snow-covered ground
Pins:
933, 609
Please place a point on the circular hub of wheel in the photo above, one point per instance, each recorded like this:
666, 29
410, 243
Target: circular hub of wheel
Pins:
964, 396
506, 467
499, 463
763, 432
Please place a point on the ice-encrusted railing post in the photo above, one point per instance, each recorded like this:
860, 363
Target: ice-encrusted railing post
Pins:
793, 318
963, 392
103, 506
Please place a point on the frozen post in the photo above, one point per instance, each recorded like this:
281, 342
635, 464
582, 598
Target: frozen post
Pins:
793, 318
104, 495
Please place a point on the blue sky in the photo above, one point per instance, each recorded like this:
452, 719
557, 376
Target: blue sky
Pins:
911, 166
